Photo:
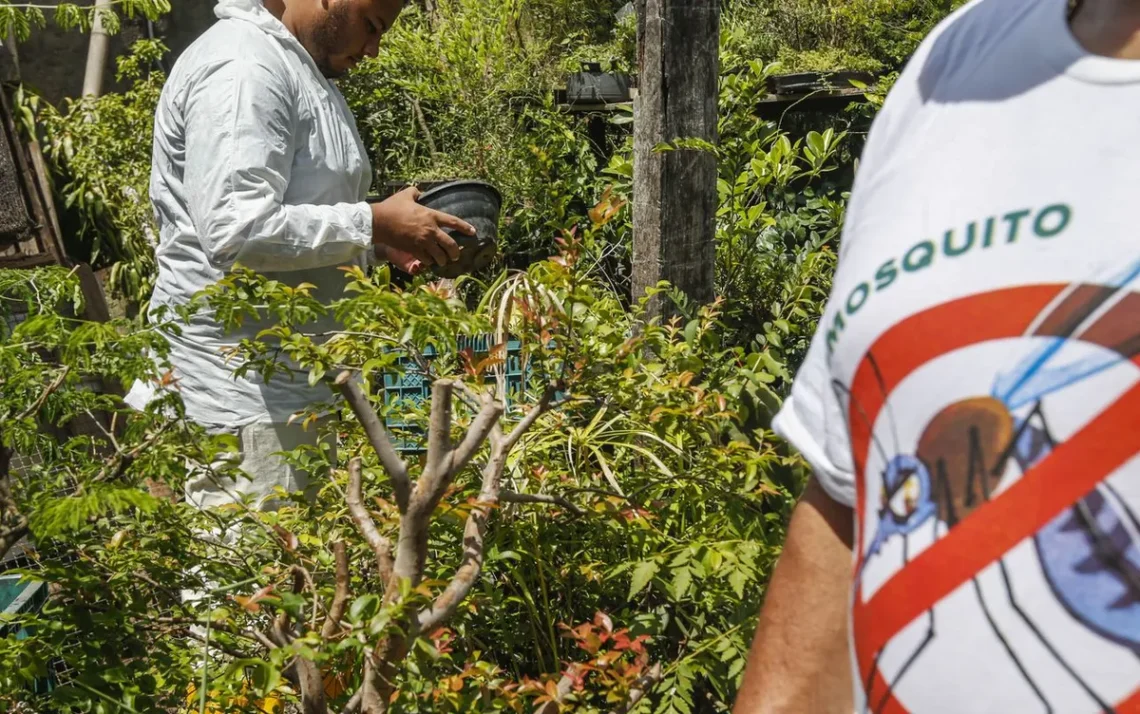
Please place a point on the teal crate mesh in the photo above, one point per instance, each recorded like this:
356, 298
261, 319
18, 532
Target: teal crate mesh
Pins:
411, 386
19, 597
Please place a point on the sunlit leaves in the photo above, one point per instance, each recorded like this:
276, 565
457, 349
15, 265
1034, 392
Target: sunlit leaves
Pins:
21, 19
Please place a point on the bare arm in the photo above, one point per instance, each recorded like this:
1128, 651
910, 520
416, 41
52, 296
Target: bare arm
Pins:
799, 661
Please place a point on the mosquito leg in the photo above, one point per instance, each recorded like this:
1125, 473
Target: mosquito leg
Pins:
870, 680
909, 661
1009, 650
1105, 707
875, 666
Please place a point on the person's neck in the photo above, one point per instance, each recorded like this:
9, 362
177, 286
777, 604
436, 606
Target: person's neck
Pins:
281, 10
1108, 27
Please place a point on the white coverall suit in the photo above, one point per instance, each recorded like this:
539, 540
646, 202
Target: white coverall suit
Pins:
257, 160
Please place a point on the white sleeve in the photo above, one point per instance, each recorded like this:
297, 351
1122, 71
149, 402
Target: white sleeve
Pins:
240, 120
812, 420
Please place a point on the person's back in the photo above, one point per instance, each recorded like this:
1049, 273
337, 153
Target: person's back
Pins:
973, 392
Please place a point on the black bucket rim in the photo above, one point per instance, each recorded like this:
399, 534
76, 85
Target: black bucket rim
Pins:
463, 183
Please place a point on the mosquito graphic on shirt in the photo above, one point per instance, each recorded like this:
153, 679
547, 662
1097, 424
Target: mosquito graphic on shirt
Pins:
1090, 553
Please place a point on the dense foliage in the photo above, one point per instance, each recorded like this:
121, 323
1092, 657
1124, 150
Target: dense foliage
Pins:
625, 550
668, 505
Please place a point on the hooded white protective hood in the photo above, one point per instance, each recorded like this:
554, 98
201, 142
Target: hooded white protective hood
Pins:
257, 160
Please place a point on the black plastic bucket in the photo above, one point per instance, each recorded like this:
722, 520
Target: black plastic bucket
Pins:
478, 203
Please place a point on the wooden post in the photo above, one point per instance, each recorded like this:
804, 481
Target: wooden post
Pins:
674, 193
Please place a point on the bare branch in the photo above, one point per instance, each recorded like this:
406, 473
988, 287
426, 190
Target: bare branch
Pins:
264, 640
640, 688
340, 597
123, 461
381, 546
474, 531
302, 577
439, 438
443, 465
252, 635
279, 631
378, 437
528, 421
353, 705
231, 651
512, 497
13, 533
477, 433
38, 404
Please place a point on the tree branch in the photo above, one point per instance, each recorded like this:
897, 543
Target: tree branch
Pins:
124, 460
378, 437
439, 439
528, 421
512, 497
439, 474
477, 433
475, 529
340, 597
640, 688
55, 384
419, 112
381, 546
353, 705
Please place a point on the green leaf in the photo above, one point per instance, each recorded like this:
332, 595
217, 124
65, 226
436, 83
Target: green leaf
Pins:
682, 580
364, 607
738, 578
263, 675
642, 574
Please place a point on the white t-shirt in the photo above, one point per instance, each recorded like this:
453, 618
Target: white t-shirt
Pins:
974, 389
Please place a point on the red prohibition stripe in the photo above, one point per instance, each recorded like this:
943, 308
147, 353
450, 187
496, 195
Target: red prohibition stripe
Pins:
1070, 471
996, 527
923, 337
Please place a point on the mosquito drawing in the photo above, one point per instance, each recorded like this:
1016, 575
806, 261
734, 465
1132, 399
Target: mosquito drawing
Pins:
1090, 553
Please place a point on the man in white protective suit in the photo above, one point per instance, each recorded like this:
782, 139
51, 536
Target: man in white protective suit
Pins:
257, 160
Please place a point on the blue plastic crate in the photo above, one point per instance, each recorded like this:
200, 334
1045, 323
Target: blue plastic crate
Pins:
412, 387
19, 597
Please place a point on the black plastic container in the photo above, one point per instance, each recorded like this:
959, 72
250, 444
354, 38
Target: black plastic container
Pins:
593, 86
808, 82
476, 202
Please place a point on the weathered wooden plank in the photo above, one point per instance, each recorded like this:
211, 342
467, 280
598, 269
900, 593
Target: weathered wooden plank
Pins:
674, 193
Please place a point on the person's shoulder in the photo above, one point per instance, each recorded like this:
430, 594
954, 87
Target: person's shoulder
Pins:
233, 46
969, 36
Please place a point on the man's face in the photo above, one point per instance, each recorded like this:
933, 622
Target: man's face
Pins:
343, 32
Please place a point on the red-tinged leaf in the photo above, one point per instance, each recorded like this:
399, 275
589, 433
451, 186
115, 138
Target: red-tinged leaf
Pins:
610, 657
468, 357
250, 604
288, 540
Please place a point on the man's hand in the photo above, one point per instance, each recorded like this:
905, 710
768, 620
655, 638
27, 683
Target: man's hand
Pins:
402, 260
401, 223
799, 662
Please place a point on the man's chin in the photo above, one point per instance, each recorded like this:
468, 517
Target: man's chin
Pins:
330, 71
